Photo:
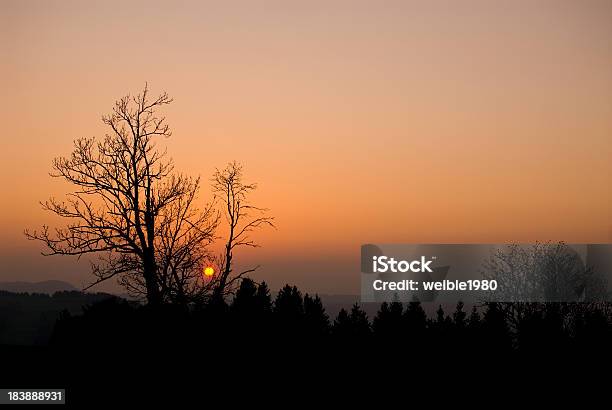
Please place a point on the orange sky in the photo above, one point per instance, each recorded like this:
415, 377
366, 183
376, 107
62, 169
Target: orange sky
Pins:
394, 121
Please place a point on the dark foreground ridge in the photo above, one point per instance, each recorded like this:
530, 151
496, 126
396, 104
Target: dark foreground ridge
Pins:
115, 345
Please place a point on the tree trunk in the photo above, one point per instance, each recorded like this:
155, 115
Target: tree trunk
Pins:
153, 292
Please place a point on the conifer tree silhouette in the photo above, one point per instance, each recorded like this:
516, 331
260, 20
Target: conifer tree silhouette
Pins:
360, 324
459, 316
440, 315
415, 317
388, 322
316, 321
474, 320
381, 318
263, 298
289, 310
341, 328
245, 300
496, 334
415, 323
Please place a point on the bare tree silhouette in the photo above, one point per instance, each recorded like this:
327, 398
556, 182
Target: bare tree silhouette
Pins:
242, 218
531, 276
130, 208
543, 272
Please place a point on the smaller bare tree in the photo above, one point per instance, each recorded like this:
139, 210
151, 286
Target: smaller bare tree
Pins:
242, 218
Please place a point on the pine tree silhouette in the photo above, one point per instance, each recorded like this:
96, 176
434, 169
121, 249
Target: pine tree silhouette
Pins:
496, 334
316, 321
440, 316
388, 322
474, 320
415, 323
415, 317
289, 310
459, 315
360, 326
263, 300
459, 329
396, 309
342, 326
246, 316
245, 302
381, 319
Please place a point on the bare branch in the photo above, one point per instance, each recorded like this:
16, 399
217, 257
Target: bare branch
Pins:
129, 207
232, 192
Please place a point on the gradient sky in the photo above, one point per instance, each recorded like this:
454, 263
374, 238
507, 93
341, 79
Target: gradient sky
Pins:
362, 122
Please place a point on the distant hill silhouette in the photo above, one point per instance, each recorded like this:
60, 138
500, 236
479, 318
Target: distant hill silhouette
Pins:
47, 286
28, 318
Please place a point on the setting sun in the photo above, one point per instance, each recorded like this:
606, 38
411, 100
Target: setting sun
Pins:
209, 271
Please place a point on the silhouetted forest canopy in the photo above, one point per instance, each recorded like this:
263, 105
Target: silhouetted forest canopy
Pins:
256, 338
294, 318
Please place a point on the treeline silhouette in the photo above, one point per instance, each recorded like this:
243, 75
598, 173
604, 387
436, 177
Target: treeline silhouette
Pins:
117, 350
293, 321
